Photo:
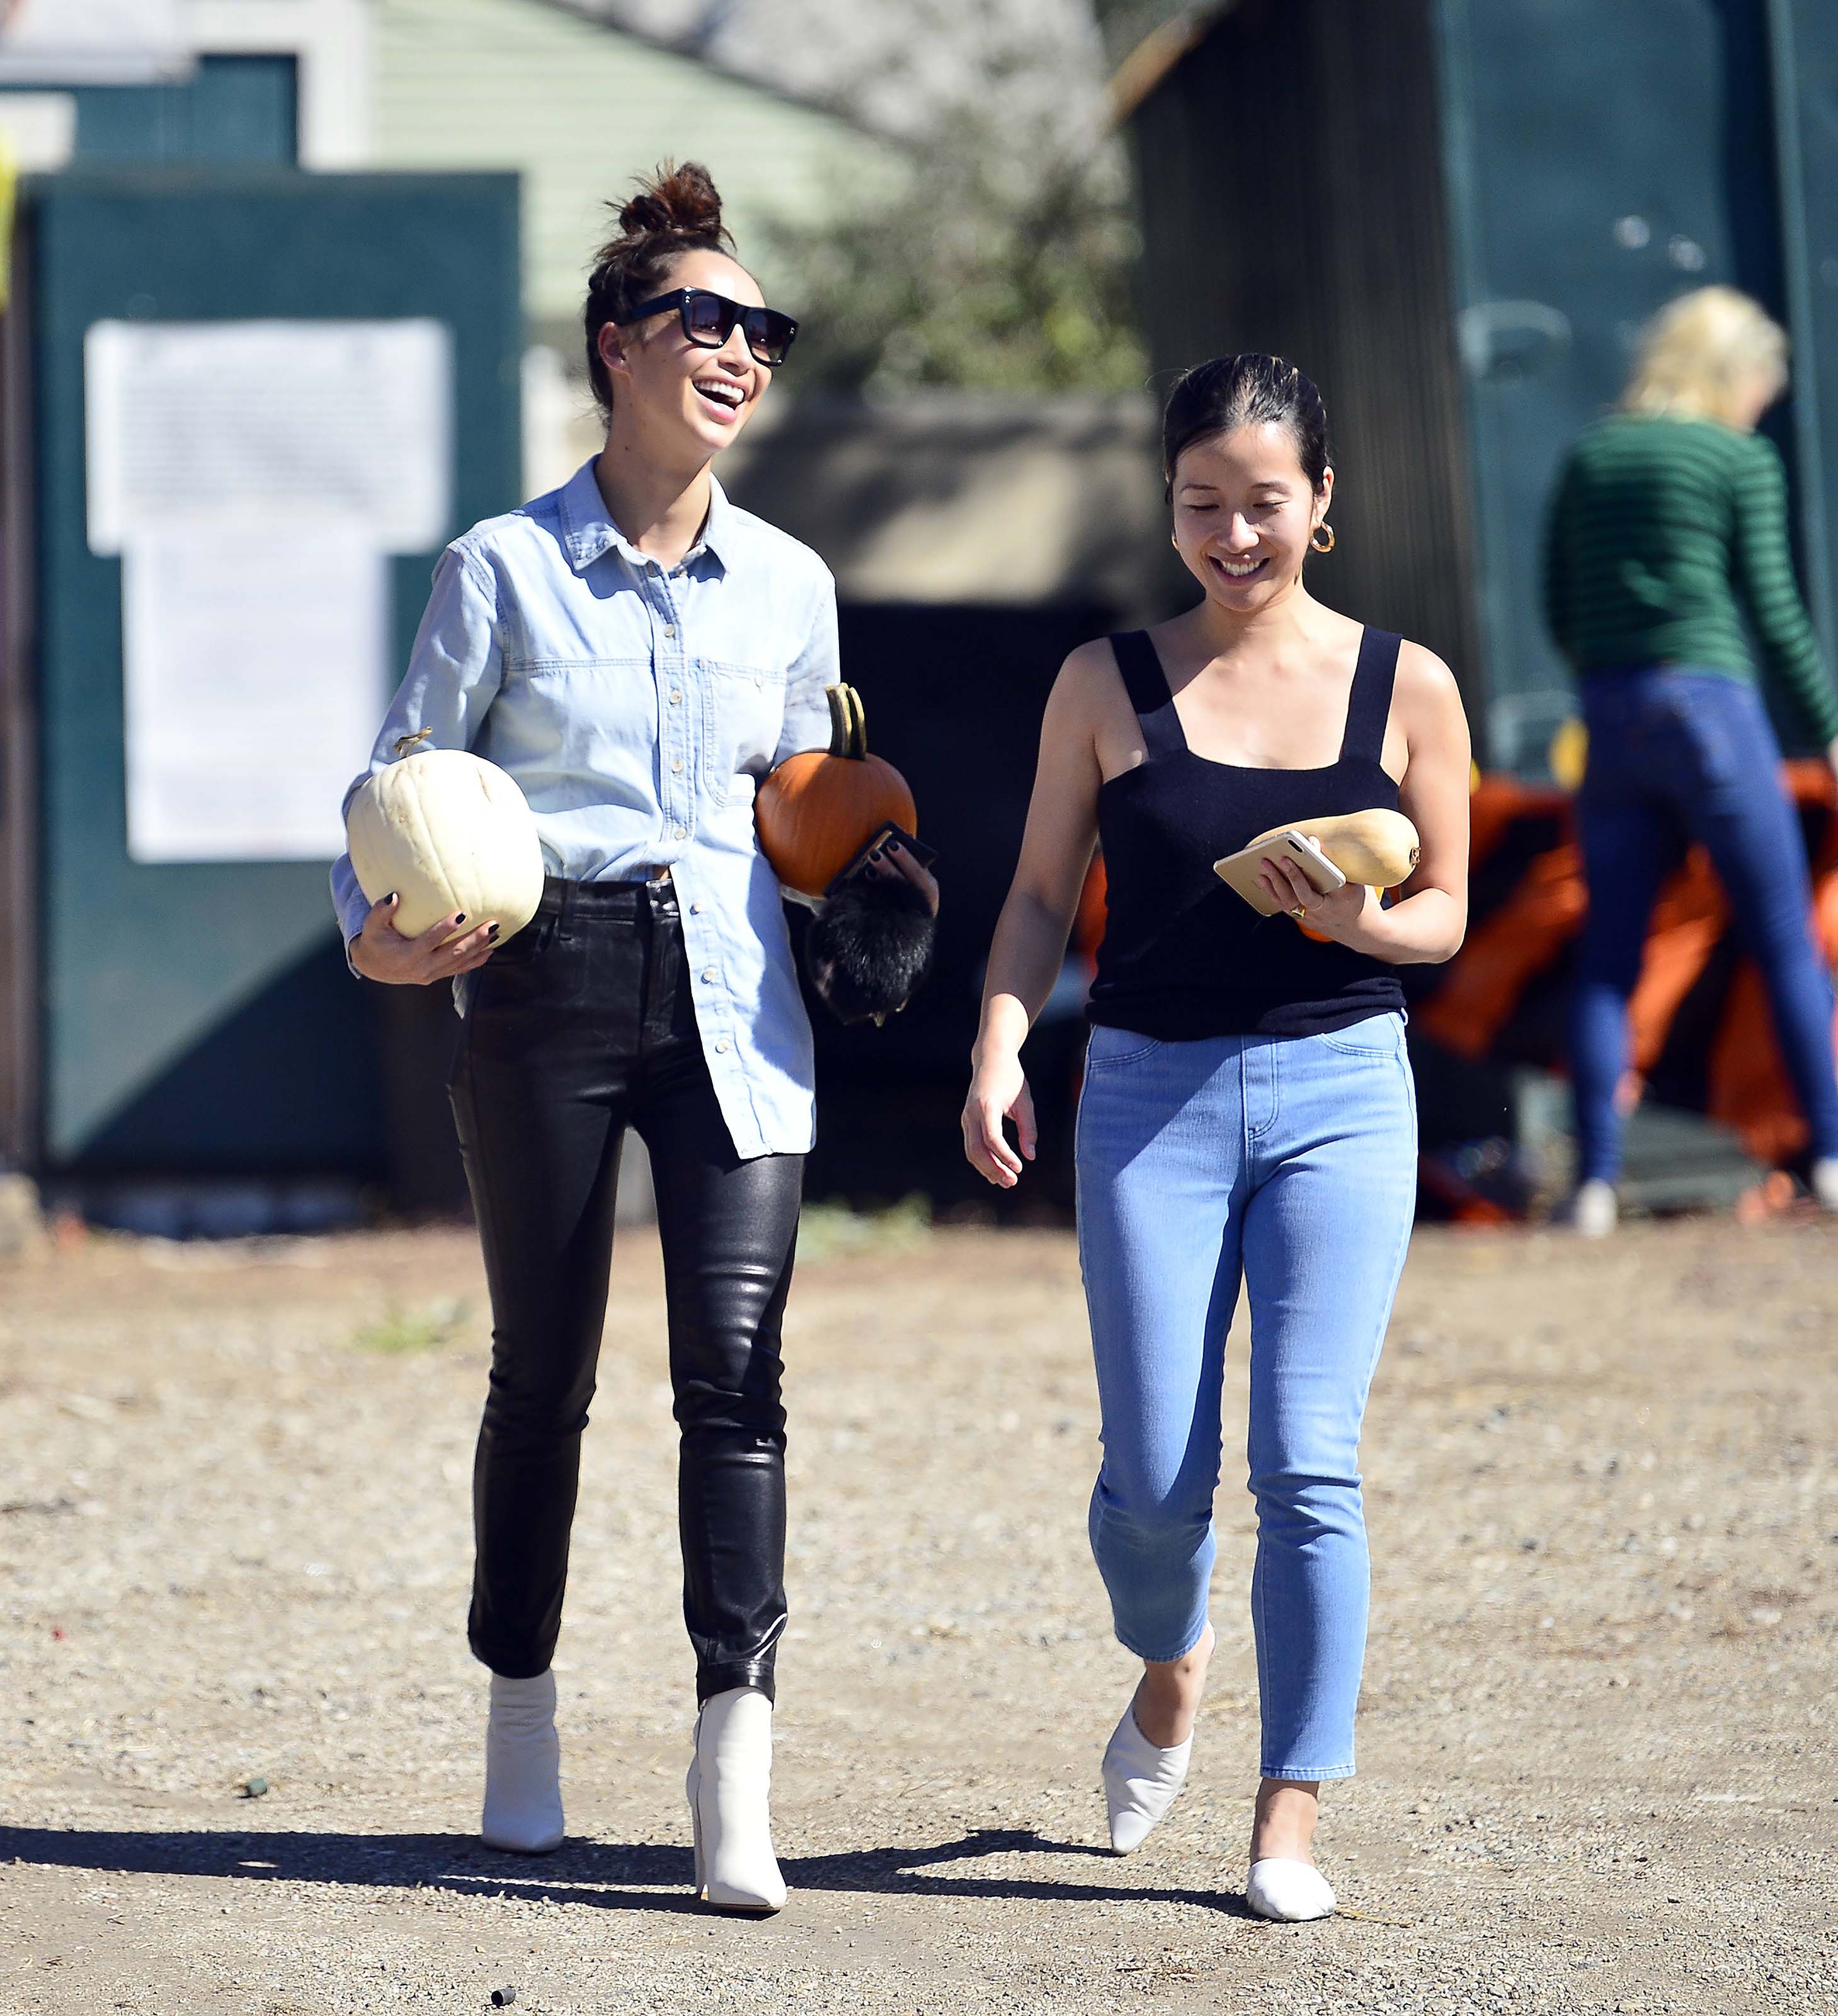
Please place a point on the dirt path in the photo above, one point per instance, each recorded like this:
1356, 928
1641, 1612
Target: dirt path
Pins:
1597, 1763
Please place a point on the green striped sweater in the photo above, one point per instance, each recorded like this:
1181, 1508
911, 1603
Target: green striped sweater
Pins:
1663, 533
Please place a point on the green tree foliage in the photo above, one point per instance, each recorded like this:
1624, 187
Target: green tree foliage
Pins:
1004, 263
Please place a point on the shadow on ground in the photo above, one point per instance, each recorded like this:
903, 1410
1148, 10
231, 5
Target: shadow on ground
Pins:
605, 1875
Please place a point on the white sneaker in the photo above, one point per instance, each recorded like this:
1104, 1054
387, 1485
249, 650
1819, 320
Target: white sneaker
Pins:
1594, 1211
729, 1786
523, 1767
1293, 1892
1825, 1181
1140, 1782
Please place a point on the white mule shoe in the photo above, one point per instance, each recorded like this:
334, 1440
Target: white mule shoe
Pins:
523, 1767
1293, 1892
728, 1788
1140, 1781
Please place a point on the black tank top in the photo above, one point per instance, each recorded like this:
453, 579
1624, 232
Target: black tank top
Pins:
1184, 957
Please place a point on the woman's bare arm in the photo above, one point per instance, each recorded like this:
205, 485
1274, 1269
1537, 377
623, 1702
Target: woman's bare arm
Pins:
1029, 943
1429, 919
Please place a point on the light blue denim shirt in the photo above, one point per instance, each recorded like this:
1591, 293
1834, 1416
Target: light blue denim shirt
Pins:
638, 706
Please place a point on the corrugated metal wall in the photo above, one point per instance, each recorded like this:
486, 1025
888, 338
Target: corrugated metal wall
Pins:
1288, 168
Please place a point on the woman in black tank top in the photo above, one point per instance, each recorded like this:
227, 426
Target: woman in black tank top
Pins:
1247, 1112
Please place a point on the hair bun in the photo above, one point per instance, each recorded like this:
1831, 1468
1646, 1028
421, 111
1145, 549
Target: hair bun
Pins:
678, 199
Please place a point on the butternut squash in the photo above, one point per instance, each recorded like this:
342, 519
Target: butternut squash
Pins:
1378, 848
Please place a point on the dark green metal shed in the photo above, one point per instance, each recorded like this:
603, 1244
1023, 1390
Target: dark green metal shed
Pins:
1457, 215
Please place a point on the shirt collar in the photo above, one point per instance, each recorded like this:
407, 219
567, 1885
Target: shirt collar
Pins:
587, 532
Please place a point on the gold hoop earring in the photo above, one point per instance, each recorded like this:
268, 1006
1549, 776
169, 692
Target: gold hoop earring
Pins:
1315, 537
1174, 542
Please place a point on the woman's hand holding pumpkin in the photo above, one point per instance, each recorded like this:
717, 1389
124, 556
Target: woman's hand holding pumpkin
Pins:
379, 952
890, 859
1335, 915
998, 1091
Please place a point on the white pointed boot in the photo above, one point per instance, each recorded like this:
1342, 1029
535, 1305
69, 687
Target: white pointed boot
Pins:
729, 1785
523, 1767
1141, 1781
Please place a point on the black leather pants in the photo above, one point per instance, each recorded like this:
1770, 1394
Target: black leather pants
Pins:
582, 1024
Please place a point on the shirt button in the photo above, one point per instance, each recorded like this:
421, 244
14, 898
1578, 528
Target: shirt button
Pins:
670, 629
711, 973
721, 1046
677, 767
696, 909
682, 832
676, 698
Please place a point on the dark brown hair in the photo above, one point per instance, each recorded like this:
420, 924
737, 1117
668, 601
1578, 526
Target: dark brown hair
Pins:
677, 211
1248, 390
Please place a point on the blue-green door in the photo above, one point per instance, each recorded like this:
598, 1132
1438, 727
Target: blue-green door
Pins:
197, 1016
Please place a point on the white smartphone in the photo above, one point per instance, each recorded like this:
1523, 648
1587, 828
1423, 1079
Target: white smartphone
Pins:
1320, 873
1240, 869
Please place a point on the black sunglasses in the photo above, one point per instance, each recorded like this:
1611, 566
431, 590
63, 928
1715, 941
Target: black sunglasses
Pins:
709, 320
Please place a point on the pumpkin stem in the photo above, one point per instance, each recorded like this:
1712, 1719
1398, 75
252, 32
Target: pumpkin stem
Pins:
848, 723
405, 743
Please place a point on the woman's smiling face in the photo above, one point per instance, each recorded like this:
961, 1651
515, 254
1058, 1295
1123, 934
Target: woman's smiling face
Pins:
706, 395
1244, 512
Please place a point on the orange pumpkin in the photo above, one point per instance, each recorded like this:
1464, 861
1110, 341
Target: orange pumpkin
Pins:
818, 810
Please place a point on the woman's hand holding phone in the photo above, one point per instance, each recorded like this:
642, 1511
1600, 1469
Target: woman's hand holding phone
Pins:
1333, 913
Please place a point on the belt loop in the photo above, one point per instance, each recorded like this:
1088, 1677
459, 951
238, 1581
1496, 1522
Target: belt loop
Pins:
562, 914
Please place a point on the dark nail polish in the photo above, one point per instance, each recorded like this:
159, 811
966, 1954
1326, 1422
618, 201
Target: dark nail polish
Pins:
492, 935
461, 918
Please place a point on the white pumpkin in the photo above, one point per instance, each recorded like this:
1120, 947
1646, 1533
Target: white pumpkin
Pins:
447, 831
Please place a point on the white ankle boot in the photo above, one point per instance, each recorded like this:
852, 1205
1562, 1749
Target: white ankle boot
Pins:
523, 1767
1291, 1891
729, 1786
1140, 1781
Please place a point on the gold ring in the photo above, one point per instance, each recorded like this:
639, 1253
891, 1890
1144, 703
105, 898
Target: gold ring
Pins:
1298, 911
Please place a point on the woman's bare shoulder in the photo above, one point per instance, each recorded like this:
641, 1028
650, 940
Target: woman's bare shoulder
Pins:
1089, 685
1425, 696
1423, 678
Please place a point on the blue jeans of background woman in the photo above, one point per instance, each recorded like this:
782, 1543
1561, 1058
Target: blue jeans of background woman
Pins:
1290, 1161
1677, 755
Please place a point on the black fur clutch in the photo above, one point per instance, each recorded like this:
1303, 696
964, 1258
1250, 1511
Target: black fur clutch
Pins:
870, 942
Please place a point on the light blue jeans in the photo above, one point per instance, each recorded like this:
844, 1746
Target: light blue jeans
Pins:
1292, 1161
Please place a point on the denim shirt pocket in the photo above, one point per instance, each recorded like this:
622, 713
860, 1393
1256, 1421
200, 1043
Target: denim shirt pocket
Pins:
742, 714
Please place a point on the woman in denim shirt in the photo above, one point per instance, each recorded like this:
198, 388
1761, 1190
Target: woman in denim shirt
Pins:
637, 654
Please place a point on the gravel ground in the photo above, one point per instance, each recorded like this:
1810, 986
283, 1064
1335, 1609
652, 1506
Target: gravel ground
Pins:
1597, 1761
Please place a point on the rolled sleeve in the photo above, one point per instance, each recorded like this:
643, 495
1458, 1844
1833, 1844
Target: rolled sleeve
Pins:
455, 672
817, 667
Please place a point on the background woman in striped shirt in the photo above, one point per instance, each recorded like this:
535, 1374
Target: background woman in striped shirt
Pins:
1669, 528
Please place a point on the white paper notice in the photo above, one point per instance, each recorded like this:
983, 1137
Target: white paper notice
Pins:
254, 477
254, 677
285, 422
